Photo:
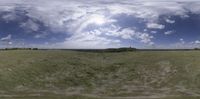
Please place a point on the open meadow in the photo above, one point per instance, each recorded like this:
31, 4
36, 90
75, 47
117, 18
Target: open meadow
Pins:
57, 74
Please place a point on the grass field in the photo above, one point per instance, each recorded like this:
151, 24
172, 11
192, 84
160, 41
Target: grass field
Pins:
54, 74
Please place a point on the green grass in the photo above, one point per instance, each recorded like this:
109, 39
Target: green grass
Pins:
83, 97
124, 74
51, 97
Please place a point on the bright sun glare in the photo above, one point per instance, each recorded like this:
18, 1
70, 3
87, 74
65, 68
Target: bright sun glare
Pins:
97, 19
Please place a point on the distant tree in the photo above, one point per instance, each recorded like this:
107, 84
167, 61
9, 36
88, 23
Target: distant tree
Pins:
124, 49
196, 49
34, 48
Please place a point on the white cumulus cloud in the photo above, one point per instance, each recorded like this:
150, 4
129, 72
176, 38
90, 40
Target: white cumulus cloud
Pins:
155, 26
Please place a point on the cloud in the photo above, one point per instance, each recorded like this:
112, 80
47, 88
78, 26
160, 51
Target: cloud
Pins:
170, 21
116, 31
41, 35
153, 32
105, 37
145, 38
155, 26
7, 38
94, 19
30, 25
78, 16
90, 39
182, 41
78, 11
127, 33
9, 17
197, 42
181, 44
168, 32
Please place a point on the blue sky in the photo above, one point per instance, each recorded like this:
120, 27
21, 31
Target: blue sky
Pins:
100, 23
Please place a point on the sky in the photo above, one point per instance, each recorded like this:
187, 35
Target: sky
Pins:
94, 24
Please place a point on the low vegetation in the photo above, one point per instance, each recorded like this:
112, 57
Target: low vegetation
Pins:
135, 74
